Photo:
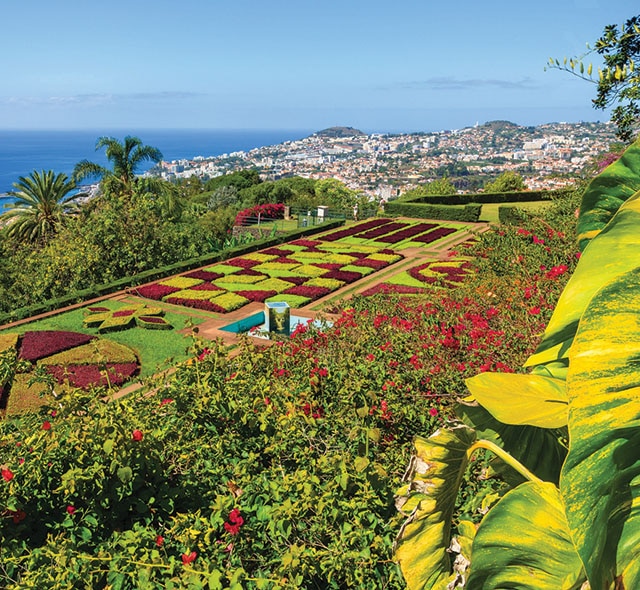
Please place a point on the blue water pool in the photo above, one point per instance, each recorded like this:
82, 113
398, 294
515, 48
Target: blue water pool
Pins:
256, 324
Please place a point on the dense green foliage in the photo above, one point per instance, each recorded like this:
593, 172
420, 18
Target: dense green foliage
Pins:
508, 181
469, 212
275, 468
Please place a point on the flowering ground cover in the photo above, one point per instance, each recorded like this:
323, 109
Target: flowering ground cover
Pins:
277, 467
70, 358
425, 277
293, 270
400, 235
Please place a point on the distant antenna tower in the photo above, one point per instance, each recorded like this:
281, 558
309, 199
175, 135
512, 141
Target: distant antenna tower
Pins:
477, 124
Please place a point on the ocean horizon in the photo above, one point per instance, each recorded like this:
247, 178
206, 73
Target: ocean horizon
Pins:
23, 151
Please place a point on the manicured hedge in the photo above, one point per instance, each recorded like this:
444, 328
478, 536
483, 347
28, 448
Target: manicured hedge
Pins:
467, 213
511, 215
508, 197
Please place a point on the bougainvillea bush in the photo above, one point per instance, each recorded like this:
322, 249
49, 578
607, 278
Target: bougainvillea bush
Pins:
275, 468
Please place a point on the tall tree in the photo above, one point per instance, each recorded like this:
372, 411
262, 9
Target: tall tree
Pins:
618, 80
42, 200
125, 159
508, 181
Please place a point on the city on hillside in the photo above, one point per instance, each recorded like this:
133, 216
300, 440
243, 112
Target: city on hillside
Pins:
383, 166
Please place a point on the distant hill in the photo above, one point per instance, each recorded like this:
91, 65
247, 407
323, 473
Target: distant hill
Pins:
339, 132
498, 125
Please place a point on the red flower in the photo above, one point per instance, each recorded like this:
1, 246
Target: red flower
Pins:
232, 529
159, 541
188, 558
433, 412
166, 401
7, 474
206, 352
71, 510
18, 516
534, 310
370, 357
137, 435
46, 425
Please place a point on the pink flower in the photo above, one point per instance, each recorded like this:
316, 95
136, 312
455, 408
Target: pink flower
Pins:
206, 352
433, 412
137, 435
71, 510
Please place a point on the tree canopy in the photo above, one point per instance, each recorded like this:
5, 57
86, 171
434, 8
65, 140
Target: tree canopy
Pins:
125, 158
42, 201
618, 81
508, 181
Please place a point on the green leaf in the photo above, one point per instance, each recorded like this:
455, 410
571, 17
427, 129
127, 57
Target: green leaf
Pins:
539, 449
600, 480
125, 474
518, 399
610, 254
107, 447
606, 193
433, 477
524, 542
361, 463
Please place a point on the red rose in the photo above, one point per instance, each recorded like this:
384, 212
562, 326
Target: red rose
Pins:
137, 435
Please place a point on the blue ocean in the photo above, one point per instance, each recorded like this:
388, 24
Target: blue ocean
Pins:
22, 152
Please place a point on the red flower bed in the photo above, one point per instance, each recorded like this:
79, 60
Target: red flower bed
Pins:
328, 266
375, 264
206, 287
123, 313
44, 343
348, 276
266, 211
350, 231
259, 296
434, 235
310, 292
306, 243
204, 275
285, 260
86, 376
153, 319
196, 304
155, 291
98, 309
276, 252
248, 272
381, 231
242, 263
295, 280
405, 234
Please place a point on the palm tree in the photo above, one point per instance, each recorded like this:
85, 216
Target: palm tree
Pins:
125, 159
41, 202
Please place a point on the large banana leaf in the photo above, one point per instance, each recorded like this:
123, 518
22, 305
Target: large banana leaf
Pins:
600, 481
615, 251
524, 543
606, 193
539, 449
513, 398
434, 477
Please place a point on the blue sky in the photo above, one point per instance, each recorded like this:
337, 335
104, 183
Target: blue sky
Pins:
402, 65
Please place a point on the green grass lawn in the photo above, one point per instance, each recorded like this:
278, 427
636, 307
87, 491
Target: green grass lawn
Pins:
156, 349
490, 210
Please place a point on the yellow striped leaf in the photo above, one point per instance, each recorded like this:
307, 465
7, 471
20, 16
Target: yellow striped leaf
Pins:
513, 398
524, 542
600, 481
433, 479
611, 254
606, 193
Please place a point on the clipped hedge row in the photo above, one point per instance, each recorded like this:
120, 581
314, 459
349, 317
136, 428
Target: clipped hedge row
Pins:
154, 274
467, 213
511, 215
483, 198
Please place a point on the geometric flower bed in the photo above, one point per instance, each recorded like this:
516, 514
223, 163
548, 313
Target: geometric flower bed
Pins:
434, 274
299, 272
80, 360
404, 234
108, 320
